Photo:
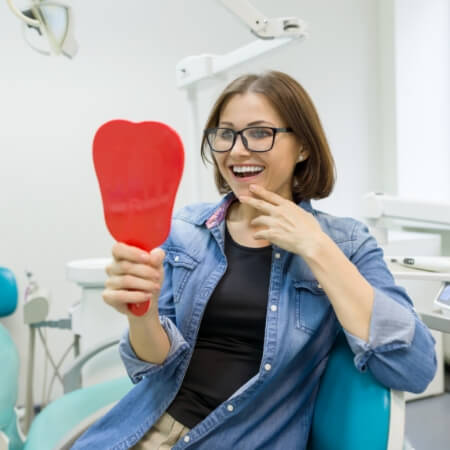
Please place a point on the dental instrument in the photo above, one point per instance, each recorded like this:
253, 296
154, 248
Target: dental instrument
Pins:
430, 263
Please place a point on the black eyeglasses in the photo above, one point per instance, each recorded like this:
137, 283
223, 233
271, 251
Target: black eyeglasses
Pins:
255, 139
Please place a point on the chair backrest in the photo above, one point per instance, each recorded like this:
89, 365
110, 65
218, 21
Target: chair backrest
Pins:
9, 357
353, 410
9, 376
8, 292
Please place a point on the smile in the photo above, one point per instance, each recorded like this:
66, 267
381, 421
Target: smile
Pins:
246, 171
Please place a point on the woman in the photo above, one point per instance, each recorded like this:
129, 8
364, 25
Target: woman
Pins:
248, 296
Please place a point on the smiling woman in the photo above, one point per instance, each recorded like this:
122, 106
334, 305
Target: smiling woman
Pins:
249, 295
284, 101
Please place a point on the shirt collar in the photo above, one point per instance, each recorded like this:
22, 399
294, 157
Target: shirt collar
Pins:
219, 214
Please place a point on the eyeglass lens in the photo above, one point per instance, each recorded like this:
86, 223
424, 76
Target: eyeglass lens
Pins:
257, 139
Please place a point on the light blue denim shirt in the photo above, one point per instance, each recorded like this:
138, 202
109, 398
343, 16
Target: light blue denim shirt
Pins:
273, 410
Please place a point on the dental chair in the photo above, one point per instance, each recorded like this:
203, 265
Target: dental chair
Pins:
58, 423
353, 411
9, 435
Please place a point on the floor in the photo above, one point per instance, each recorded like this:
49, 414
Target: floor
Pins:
428, 421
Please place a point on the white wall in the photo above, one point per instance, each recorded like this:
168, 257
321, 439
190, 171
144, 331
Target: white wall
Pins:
422, 74
50, 109
414, 99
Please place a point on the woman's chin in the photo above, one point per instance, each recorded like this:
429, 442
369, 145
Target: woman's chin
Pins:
242, 190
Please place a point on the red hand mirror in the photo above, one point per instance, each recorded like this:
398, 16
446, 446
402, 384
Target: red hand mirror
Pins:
139, 168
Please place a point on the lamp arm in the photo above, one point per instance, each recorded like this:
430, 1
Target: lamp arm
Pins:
21, 16
247, 13
263, 27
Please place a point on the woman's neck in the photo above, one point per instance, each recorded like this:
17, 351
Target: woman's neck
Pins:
240, 213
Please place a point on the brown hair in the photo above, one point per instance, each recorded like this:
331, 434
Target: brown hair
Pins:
314, 177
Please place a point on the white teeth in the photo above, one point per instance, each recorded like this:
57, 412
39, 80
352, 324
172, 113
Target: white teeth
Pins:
244, 169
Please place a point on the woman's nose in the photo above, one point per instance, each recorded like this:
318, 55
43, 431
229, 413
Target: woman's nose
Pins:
239, 147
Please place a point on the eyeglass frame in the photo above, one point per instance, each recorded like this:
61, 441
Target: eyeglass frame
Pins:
275, 130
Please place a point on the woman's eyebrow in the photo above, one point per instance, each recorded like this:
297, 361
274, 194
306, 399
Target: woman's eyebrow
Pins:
256, 122
259, 122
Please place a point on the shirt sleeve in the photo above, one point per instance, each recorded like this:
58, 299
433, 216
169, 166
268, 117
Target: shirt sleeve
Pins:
400, 348
391, 326
137, 368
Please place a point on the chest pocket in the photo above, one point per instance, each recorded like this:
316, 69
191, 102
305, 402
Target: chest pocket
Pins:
182, 266
311, 305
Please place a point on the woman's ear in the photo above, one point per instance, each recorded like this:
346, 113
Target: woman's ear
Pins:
303, 154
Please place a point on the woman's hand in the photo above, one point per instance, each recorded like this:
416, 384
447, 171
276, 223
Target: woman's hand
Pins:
134, 276
284, 223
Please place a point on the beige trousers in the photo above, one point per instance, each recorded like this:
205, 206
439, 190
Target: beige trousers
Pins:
165, 433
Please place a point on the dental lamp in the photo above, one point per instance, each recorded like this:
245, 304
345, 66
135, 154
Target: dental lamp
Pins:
272, 33
52, 26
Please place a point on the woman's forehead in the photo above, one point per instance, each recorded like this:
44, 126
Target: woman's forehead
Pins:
247, 108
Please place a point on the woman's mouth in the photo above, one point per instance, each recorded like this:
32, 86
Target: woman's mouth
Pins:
246, 171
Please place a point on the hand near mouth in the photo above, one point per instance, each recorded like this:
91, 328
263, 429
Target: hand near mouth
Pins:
285, 224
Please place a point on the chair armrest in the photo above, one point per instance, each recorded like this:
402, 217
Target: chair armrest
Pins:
72, 377
396, 437
69, 439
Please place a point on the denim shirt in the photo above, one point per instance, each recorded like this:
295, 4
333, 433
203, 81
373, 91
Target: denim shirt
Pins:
273, 410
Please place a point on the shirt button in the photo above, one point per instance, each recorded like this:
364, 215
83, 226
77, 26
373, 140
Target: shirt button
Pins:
277, 256
187, 438
267, 367
177, 258
230, 407
273, 308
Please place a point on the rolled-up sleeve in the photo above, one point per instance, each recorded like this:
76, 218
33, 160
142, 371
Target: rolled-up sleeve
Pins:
400, 349
137, 368
391, 328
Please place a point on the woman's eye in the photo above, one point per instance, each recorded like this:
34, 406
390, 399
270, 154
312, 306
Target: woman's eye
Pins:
259, 133
225, 134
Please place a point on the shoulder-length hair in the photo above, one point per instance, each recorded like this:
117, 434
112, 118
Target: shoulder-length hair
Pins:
314, 177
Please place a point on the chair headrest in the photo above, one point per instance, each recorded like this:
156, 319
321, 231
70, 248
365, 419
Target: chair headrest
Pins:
8, 292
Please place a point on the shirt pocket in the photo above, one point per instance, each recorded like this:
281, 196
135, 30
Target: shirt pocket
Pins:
311, 305
182, 265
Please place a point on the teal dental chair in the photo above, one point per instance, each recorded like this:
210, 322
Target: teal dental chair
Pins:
353, 411
9, 434
57, 424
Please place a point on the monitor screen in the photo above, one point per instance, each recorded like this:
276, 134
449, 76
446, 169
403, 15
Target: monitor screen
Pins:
444, 296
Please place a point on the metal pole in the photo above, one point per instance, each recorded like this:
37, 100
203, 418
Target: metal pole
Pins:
29, 407
193, 152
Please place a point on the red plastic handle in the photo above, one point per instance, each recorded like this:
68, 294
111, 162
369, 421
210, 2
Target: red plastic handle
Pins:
139, 309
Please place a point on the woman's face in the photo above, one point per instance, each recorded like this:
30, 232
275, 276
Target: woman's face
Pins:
273, 169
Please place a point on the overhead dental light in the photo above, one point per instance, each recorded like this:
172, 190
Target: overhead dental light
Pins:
271, 33
48, 27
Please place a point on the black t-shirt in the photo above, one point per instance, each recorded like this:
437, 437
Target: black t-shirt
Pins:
230, 340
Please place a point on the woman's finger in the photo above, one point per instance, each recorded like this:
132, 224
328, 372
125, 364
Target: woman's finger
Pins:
266, 195
117, 298
262, 220
130, 282
125, 267
258, 204
121, 251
